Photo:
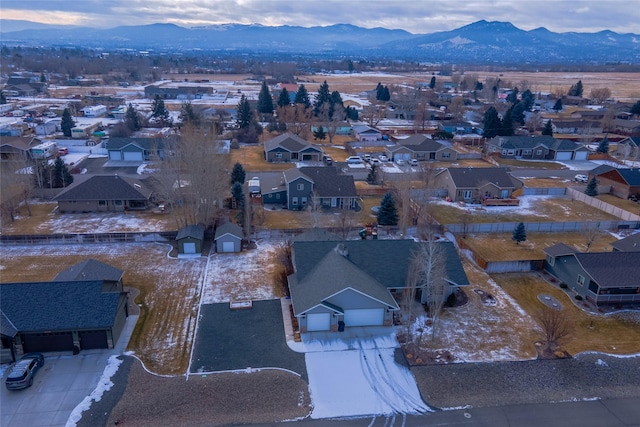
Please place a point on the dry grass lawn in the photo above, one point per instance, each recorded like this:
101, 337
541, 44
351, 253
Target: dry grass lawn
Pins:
531, 164
251, 157
624, 204
616, 334
500, 247
545, 182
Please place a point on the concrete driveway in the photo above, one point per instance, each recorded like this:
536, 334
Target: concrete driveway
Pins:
60, 385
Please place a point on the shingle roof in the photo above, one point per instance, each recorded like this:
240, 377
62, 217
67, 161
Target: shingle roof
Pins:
6, 327
315, 235
194, 231
289, 142
327, 182
144, 143
229, 228
601, 169
102, 187
611, 269
631, 176
628, 244
523, 141
559, 249
89, 269
476, 177
56, 306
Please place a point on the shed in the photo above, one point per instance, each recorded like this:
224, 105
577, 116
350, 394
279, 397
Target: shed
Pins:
228, 238
189, 239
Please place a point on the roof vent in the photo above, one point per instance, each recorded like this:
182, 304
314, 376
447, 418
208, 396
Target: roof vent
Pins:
341, 249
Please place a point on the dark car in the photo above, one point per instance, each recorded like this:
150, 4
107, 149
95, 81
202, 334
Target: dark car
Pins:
22, 373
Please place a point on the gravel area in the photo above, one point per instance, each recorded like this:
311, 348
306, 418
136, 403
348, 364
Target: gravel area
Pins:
140, 399
536, 381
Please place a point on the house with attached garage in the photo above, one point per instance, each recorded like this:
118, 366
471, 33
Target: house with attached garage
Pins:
290, 148
338, 284
475, 185
17, 148
66, 314
139, 149
104, 193
364, 133
421, 148
598, 277
623, 182
535, 148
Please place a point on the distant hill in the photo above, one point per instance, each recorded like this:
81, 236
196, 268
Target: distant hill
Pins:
480, 42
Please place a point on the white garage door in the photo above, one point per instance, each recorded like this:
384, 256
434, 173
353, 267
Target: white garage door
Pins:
189, 248
132, 156
115, 155
581, 155
318, 322
364, 317
228, 247
563, 155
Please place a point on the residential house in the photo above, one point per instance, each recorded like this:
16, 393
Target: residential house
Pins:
138, 149
576, 127
228, 238
104, 193
624, 183
459, 128
421, 148
179, 92
372, 278
627, 148
190, 239
16, 148
364, 133
535, 148
598, 277
627, 127
290, 148
628, 244
472, 185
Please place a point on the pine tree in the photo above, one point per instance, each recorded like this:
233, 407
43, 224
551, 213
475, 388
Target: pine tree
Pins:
238, 174
283, 99
3, 98
379, 92
576, 89
635, 109
592, 188
519, 234
603, 147
67, 123
352, 113
491, 123
372, 177
506, 125
188, 115
131, 119
528, 99
265, 102
302, 97
245, 115
517, 113
558, 105
319, 133
513, 96
387, 213
548, 128
159, 111
432, 83
61, 175
323, 96
386, 96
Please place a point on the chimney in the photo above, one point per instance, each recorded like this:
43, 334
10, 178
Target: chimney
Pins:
341, 249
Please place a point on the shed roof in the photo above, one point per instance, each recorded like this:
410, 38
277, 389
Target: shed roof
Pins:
229, 228
89, 269
193, 231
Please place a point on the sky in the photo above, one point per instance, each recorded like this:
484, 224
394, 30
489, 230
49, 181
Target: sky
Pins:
417, 16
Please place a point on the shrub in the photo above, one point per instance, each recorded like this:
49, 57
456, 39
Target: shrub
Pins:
578, 297
451, 300
563, 285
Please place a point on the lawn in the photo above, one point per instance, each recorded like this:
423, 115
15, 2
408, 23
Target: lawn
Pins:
616, 334
500, 247
251, 157
531, 209
625, 204
531, 164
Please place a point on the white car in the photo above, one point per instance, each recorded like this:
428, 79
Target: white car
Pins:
400, 162
376, 162
413, 162
581, 178
354, 160
383, 158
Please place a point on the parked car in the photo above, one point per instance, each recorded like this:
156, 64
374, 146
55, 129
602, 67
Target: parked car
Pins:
354, 160
400, 162
63, 151
22, 373
327, 159
581, 178
413, 162
376, 162
383, 158
366, 157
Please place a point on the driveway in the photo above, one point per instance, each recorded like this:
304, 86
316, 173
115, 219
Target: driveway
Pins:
360, 371
60, 386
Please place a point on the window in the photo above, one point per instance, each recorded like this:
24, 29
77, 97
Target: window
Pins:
304, 201
580, 280
278, 155
538, 152
277, 196
526, 152
102, 203
510, 153
446, 155
467, 194
551, 260
300, 187
294, 201
118, 202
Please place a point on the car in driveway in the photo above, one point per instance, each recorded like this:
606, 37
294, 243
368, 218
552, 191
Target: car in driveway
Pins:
22, 374
354, 160
413, 162
581, 178
383, 158
400, 162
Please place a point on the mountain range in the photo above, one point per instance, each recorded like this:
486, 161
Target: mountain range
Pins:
479, 42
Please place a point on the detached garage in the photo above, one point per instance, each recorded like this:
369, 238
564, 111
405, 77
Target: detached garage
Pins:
190, 240
228, 238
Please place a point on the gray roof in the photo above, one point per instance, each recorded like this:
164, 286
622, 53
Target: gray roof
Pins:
327, 182
6, 327
144, 143
322, 282
601, 169
293, 174
631, 176
316, 234
229, 228
566, 145
476, 177
289, 142
58, 306
194, 231
628, 244
559, 249
103, 187
89, 269
522, 141
611, 269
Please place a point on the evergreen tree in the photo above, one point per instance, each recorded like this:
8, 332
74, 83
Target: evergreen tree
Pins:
635, 109
379, 92
432, 83
513, 96
548, 128
387, 212
67, 123
283, 99
265, 102
238, 174
302, 97
244, 113
576, 90
323, 96
386, 96
319, 133
188, 115
592, 188
372, 177
3, 98
558, 105
131, 119
506, 126
528, 99
352, 113
517, 113
519, 234
603, 147
492, 124
43, 79
237, 192
159, 111
61, 175
479, 86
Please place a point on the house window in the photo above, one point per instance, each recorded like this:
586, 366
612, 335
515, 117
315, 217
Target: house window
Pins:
510, 153
300, 187
304, 201
278, 196
118, 202
294, 156
467, 194
580, 280
538, 152
278, 155
551, 260
102, 203
294, 201
526, 152
446, 155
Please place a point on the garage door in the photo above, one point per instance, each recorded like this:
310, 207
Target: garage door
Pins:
581, 155
228, 247
189, 247
318, 322
115, 155
93, 339
132, 156
563, 155
52, 341
364, 317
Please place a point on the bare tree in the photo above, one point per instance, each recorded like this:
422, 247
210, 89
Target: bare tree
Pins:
16, 188
297, 117
346, 221
402, 190
557, 327
372, 114
435, 287
590, 232
600, 94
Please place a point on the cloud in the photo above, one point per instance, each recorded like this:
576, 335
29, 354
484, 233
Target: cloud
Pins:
414, 16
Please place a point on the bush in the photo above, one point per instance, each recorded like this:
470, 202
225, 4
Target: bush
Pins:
451, 300
578, 297
563, 285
